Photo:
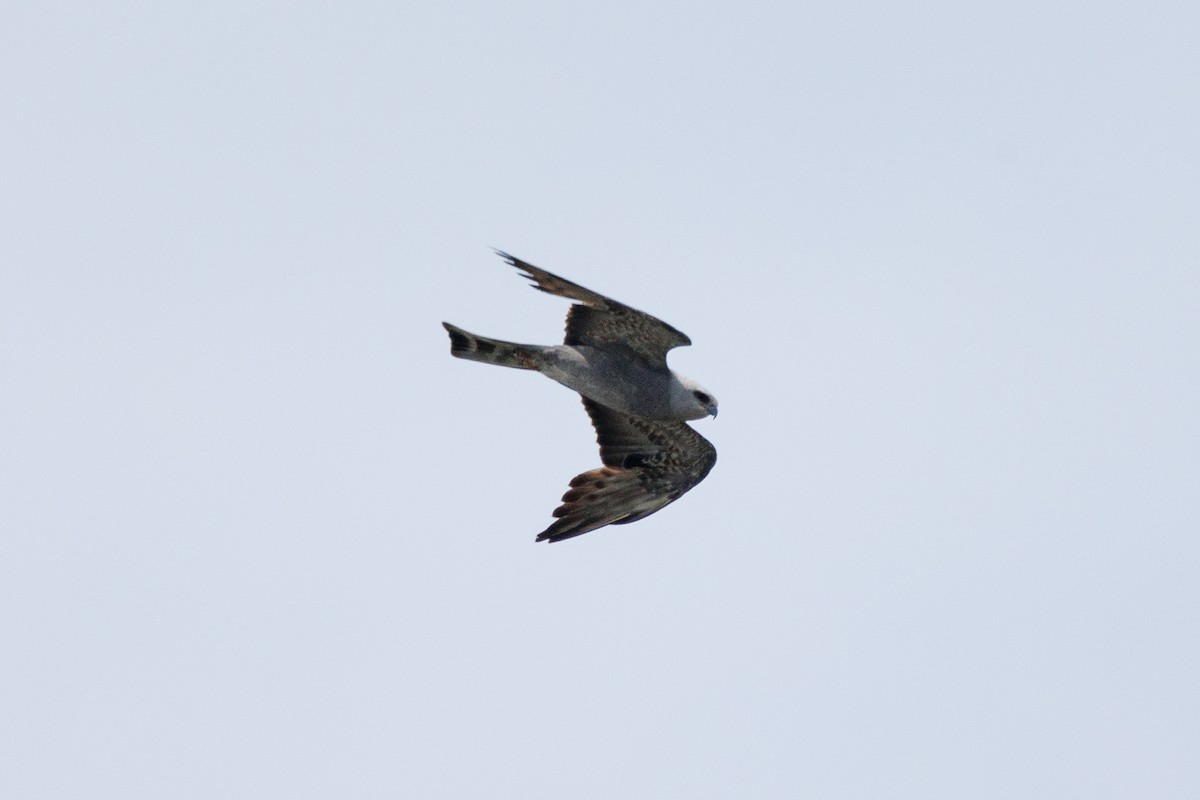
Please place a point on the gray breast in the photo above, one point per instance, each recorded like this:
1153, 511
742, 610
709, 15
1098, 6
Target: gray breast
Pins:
611, 379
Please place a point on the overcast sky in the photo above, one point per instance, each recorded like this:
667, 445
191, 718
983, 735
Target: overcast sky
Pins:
261, 536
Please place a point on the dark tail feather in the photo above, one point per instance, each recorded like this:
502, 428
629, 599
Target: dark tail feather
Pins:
490, 351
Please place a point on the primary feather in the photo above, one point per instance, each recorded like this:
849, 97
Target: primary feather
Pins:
616, 358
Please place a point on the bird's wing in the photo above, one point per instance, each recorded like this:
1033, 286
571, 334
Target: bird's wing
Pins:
647, 465
599, 321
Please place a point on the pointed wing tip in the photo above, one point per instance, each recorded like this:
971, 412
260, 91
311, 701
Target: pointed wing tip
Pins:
513, 261
565, 527
527, 270
550, 537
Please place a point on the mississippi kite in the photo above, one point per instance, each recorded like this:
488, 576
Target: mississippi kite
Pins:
616, 358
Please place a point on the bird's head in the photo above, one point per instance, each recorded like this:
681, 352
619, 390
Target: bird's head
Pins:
694, 401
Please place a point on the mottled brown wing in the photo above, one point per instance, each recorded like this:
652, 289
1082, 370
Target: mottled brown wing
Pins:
648, 464
600, 321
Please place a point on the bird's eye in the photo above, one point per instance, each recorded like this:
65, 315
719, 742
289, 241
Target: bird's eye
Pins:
702, 397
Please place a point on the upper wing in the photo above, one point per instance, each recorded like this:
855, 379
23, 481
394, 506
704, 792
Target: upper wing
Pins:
647, 465
600, 321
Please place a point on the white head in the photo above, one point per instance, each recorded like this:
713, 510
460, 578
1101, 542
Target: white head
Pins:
690, 400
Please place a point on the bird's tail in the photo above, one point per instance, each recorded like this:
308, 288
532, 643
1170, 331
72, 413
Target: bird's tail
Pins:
491, 351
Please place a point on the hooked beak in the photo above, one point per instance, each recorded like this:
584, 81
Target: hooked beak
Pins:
712, 410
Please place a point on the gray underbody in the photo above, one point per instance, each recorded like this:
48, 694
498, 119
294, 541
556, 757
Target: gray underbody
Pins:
612, 379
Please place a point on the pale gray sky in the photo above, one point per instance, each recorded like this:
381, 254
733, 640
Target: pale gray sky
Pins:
263, 537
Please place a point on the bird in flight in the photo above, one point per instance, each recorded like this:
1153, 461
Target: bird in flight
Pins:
615, 357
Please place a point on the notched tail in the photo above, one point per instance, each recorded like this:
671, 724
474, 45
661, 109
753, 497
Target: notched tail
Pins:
490, 351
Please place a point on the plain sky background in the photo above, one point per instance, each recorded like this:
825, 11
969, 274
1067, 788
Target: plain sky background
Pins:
263, 537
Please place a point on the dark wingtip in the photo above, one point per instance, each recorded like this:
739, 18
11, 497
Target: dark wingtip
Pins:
525, 267
562, 529
560, 537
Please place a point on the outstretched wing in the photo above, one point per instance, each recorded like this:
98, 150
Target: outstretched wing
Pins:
647, 465
599, 321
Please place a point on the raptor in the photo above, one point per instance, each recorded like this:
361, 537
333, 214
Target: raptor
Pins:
615, 357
